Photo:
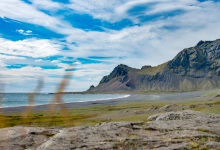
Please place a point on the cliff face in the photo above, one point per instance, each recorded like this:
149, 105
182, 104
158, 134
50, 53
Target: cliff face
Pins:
195, 68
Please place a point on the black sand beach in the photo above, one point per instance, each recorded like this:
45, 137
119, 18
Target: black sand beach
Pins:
174, 96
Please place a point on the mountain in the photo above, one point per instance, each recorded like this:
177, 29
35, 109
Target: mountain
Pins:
194, 68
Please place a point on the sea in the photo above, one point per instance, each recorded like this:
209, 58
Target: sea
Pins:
21, 99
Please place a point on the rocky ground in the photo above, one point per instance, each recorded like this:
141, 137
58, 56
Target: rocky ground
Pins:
185, 129
155, 110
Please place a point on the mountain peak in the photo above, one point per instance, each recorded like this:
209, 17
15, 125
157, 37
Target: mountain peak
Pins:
91, 87
120, 70
200, 43
194, 68
121, 66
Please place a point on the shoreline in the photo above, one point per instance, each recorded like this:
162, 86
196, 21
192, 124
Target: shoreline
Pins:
115, 101
69, 105
68, 102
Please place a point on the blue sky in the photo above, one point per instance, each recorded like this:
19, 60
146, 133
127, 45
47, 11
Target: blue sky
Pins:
39, 38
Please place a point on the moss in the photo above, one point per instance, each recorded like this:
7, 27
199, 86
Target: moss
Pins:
42, 120
150, 128
153, 70
133, 137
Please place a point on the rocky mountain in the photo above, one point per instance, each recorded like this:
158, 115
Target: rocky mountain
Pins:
194, 68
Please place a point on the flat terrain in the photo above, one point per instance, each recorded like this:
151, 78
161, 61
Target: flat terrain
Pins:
132, 97
133, 108
162, 122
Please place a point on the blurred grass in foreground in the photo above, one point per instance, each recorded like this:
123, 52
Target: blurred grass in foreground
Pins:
50, 119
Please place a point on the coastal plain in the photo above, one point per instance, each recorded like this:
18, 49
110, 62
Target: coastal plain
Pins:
188, 120
180, 121
133, 108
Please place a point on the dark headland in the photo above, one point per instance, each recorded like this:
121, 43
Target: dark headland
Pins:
192, 69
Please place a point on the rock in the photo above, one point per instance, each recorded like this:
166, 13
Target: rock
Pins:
181, 115
192, 120
95, 137
213, 144
200, 43
125, 135
183, 146
24, 137
91, 88
192, 106
208, 104
170, 107
186, 134
137, 127
185, 72
124, 79
153, 108
130, 85
120, 70
165, 131
154, 117
217, 95
218, 71
165, 107
126, 111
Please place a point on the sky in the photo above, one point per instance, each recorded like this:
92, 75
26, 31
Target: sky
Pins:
40, 38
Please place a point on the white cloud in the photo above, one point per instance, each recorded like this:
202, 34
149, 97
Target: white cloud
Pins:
122, 9
55, 61
29, 75
88, 78
2, 64
28, 32
148, 44
20, 31
151, 44
11, 57
46, 4
29, 14
171, 6
115, 10
39, 60
77, 63
29, 47
97, 8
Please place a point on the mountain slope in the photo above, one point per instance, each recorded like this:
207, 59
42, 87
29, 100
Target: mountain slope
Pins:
194, 68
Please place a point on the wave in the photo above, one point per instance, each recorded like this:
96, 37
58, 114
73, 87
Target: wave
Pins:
125, 96
104, 99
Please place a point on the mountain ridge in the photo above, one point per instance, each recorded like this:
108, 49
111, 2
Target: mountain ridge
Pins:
192, 69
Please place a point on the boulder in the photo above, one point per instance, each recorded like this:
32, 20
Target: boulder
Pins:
24, 137
165, 131
186, 119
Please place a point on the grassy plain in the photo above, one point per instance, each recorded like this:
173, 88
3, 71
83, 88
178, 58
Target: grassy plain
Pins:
139, 110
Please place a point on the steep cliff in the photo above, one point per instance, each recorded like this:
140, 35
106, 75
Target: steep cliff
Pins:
194, 68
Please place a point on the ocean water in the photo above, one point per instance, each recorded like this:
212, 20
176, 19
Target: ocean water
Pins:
21, 99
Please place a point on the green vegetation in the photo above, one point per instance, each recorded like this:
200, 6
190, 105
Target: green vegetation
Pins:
199, 142
153, 70
42, 119
97, 114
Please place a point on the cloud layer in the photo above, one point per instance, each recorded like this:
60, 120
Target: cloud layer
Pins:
95, 35
29, 47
